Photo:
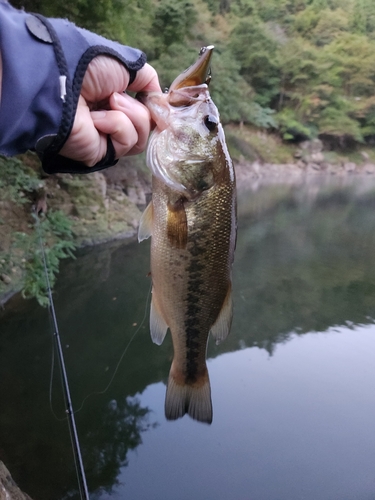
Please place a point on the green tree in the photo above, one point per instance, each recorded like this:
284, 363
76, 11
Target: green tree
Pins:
357, 73
306, 21
330, 26
365, 114
363, 18
244, 8
173, 21
257, 53
233, 95
279, 10
219, 6
91, 14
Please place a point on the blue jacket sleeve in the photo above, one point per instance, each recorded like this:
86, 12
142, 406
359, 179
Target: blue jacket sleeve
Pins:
44, 62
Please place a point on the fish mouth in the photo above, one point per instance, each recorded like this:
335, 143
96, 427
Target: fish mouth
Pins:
197, 74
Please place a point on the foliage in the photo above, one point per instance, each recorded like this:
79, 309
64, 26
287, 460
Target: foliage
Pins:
363, 18
233, 95
290, 127
172, 23
90, 14
256, 51
219, 6
53, 232
16, 180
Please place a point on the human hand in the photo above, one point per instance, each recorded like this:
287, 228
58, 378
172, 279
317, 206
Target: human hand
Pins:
103, 109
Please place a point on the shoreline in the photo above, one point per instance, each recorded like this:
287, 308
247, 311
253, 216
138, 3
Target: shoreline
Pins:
106, 207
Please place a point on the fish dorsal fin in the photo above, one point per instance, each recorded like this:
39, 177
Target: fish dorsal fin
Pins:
145, 223
158, 327
177, 230
221, 327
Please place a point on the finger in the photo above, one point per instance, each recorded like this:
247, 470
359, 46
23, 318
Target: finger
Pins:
121, 129
138, 115
85, 143
104, 75
146, 80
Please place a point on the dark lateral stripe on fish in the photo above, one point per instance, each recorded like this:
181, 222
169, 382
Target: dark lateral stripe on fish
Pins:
195, 266
192, 323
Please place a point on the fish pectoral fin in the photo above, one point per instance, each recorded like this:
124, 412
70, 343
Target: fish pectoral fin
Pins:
221, 327
158, 327
177, 229
145, 223
194, 399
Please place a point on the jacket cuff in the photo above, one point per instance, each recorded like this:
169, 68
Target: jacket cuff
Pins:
74, 50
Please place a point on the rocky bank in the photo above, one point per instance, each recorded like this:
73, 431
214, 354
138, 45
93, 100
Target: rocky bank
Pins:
309, 159
101, 206
8, 488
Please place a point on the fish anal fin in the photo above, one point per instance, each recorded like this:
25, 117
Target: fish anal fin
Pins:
221, 327
158, 326
194, 399
145, 223
177, 230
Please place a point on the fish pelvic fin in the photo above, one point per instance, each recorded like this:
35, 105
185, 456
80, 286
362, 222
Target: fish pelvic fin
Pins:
194, 399
145, 223
221, 327
158, 326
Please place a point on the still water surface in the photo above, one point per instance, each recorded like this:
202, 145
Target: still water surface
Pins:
292, 386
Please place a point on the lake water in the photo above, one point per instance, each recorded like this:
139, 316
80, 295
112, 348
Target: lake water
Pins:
292, 386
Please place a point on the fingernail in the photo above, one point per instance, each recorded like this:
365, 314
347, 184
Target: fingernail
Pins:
122, 100
116, 96
98, 114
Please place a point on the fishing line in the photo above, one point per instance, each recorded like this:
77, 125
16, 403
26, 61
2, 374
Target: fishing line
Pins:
81, 476
97, 393
121, 357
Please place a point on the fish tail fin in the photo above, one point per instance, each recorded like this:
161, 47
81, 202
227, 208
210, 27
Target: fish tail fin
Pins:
194, 398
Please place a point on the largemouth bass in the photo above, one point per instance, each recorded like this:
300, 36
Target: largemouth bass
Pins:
192, 221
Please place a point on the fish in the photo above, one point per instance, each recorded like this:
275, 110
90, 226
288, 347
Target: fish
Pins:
192, 222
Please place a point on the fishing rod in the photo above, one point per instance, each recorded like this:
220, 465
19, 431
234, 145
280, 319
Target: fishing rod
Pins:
81, 476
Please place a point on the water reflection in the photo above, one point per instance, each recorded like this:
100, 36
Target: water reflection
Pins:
295, 425
304, 263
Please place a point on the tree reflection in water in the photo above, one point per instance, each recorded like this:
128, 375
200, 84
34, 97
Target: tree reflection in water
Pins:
105, 446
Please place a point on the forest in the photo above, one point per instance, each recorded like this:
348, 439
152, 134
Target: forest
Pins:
301, 68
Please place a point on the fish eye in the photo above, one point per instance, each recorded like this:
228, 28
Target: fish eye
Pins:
210, 122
